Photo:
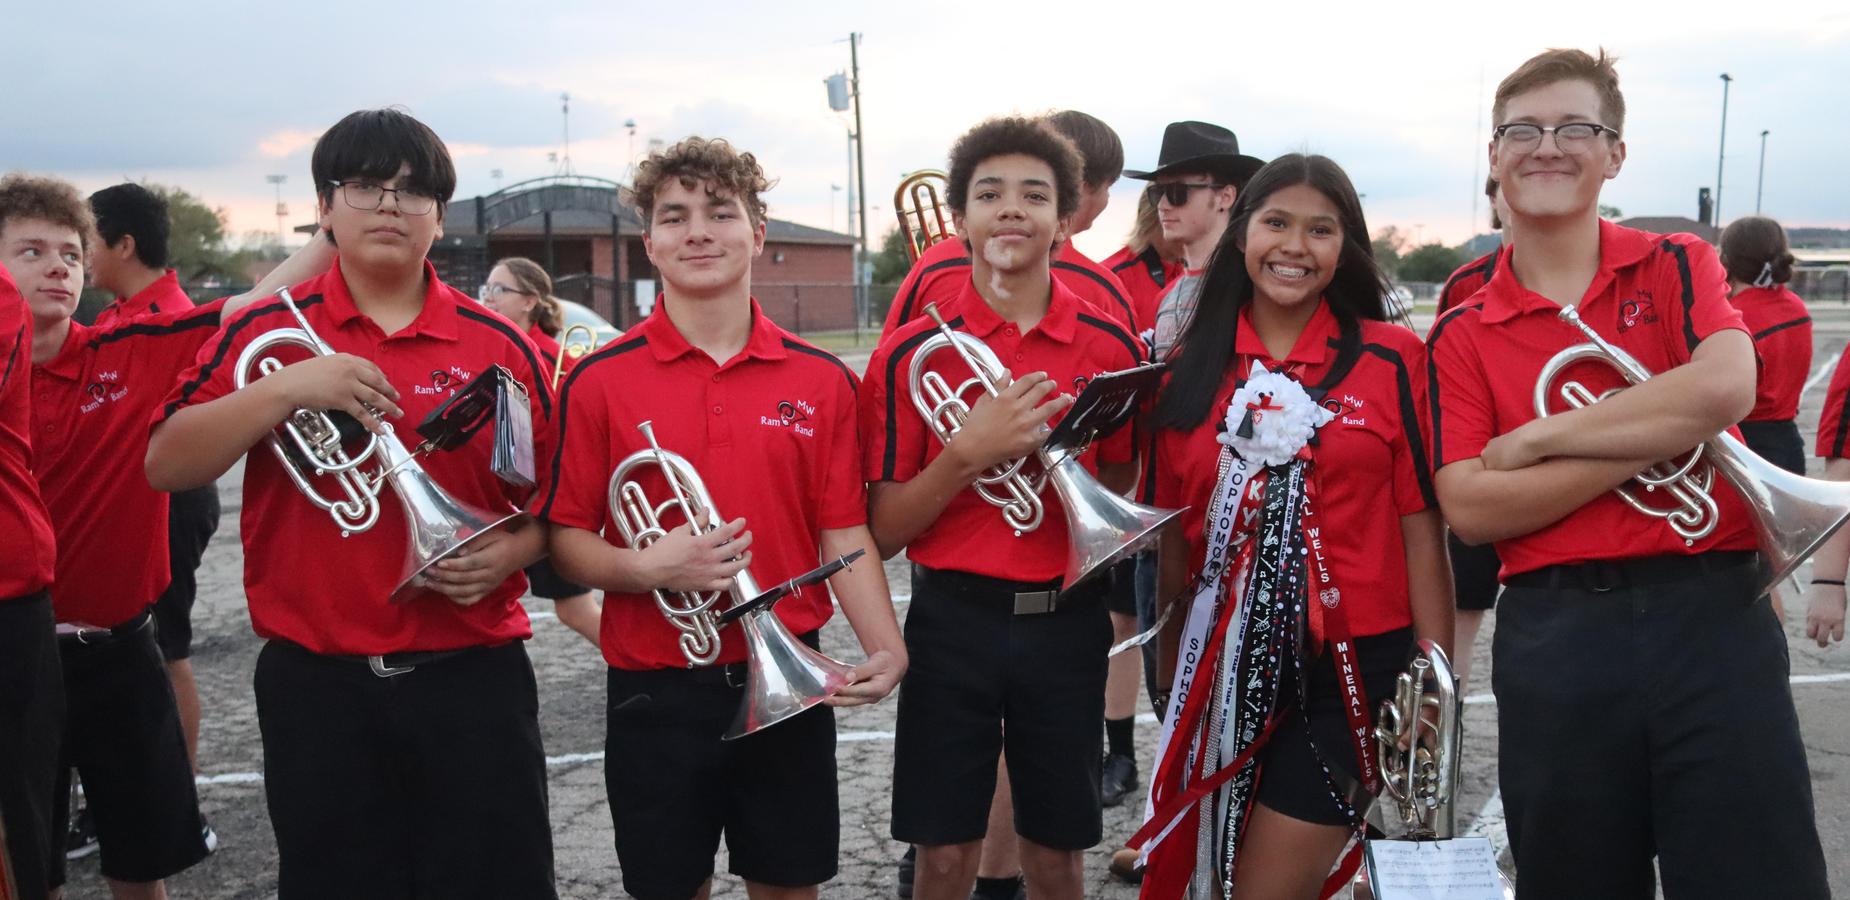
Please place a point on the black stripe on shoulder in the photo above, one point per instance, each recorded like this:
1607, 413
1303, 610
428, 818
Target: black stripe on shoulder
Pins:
1489, 264
1432, 373
1843, 427
1127, 263
819, 353
889, 458
1688, 290
1116, 331
229, 336
1102, 282
520, 342
142, 327
1409, 419
608, 351
905, 309
13, 357
1775, 329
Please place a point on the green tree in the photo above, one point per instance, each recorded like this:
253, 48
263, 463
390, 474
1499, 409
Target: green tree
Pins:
1388, 244
892, 262
1430, 262
1610, 212
196, 244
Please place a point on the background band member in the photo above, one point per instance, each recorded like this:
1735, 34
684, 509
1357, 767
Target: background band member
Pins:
522, 291
1146, 263
401, 743
1617, 728
31, 677
1824, 599
132, 264
1474, 568
983, 595
1294, 288
1753, 251
773, 438
1198, 176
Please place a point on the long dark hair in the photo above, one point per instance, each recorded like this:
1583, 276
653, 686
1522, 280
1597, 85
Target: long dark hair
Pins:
1207, 342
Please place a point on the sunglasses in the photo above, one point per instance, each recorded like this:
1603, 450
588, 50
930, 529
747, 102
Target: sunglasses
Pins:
1176, 192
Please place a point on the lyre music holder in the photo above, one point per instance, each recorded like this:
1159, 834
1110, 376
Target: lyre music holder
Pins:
1107, 403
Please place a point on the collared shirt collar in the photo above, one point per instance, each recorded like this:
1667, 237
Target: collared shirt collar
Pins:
67, 363
1619, 247
160, 289
1059, 322
1312, 346
437, 319
667, 343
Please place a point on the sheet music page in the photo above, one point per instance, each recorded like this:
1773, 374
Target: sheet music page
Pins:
1458, 869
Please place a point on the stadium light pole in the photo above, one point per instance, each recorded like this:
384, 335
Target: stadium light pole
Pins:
281, 210
1760, 183
845, 95
1720, 152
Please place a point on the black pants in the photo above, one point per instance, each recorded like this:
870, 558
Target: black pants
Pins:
1778, 441
192, 518
430, 785
1652, 718
31, 722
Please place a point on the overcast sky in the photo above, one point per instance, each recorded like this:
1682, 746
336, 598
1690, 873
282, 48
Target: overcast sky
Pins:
214, 96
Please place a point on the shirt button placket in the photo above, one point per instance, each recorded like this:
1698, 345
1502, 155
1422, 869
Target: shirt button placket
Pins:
719, 431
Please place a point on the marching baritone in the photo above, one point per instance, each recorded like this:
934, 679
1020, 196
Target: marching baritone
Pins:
1618, 729
765, 423
402, 753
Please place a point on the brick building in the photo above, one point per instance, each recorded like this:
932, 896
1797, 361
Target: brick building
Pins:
580, 229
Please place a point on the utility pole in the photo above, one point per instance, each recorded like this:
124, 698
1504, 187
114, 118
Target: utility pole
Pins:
282, 211
1760, 187
565, 121
1720, 150
860, 163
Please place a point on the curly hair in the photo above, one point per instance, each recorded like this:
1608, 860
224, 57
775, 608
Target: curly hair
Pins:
695, 162
1012, 135
25, 196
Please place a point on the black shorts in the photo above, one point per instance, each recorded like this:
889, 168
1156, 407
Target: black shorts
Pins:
1635, 704
1292, 780
1474, 573
675, 787
31, 720
1778, 442
192, 517
429, 784
122, 734
1121, 586
546, 582
984, 681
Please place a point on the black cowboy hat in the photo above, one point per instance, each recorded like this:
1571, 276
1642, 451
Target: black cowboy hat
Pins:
1200, 147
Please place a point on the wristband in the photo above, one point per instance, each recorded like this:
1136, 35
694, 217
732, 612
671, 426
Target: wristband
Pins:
1838, 582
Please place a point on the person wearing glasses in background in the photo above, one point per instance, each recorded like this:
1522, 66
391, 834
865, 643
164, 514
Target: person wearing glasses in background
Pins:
1641, 676
520, 289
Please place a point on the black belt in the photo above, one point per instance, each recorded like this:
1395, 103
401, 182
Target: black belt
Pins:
91, 636
1600, 576
1031, 598
386, 665
733, 674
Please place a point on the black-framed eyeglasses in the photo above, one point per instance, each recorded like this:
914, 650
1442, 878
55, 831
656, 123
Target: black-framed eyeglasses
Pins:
1176, 192
491, 291
367, 196
1570, 137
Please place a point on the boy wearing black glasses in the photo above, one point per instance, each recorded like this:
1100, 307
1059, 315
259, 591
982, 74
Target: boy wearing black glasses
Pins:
401, 741
1198, 174
1641, 675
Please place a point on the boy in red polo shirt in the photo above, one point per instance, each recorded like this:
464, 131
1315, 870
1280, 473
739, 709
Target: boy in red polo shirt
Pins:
1619, 728
768, 423
31, 679
132, 264
402, 751
982, 594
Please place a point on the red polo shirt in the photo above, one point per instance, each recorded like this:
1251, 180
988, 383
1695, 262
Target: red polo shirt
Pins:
28, 554
1469, 279
549, 349
944, 268
1833, 424
90, 408
1781, 326
164, 295
1654, 296
1070, 344
1370, 460
771, 432
1145, 276
305, 582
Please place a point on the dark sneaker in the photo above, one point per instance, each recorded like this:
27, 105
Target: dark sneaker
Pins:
81, 841
1118, 779
907, 864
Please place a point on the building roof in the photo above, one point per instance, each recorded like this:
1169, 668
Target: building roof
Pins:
1673, 225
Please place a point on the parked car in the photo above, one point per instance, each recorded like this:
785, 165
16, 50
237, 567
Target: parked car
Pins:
578, 319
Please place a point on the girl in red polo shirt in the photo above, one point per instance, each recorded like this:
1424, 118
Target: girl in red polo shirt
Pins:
1294, 409
1759, 265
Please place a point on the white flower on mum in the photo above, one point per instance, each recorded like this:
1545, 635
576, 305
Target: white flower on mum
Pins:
1283, 418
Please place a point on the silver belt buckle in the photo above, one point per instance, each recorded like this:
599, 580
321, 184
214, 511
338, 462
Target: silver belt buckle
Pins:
384, 671
1030, 603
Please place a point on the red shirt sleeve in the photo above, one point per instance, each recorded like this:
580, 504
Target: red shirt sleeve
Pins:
844, 495
575, 482
209, 374
1459, 402
1833, 425
1701, 307
893, 435
1412, 469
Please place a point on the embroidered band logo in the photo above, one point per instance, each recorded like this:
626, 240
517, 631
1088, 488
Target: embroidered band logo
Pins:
444, 381
1637, 311
1348, 408
107, 388
792, 414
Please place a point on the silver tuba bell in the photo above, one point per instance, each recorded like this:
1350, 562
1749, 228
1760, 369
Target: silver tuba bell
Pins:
1792, 515
1102, 527
784, 676
439, 524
